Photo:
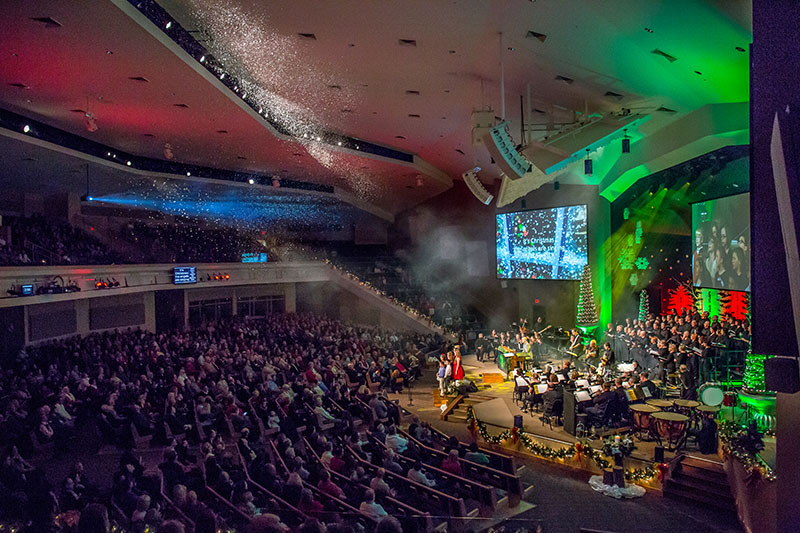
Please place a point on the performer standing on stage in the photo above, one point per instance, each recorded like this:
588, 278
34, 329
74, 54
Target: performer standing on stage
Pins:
458, 370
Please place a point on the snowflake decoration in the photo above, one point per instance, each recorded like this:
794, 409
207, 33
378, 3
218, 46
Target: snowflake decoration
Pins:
639, 232
626, 213
634, 279
642, 263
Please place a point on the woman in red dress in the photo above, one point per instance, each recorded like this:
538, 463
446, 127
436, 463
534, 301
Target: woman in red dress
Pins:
458, 370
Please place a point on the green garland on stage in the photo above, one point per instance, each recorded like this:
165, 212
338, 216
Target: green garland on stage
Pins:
579, 449
732, 436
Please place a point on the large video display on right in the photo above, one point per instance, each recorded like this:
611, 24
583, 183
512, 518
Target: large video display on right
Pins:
721, 244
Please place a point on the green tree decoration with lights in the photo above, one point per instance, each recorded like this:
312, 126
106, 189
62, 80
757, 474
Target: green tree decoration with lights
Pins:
644, 305
753, 379
587, 312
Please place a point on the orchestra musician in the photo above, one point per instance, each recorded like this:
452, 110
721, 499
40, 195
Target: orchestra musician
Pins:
608, 353
591, 353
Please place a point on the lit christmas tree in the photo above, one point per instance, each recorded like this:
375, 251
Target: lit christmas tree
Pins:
644, 305
587, 313
754, 373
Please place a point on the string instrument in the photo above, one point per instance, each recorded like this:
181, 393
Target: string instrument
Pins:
537, 334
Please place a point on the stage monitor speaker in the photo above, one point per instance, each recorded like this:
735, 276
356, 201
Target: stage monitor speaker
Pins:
518, 421
475, 186
569, 412
782, 374
502, 149
658, 454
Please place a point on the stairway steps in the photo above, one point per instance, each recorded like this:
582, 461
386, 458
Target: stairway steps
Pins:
697, 498
705, 474
452, 418
692, 486
700, 483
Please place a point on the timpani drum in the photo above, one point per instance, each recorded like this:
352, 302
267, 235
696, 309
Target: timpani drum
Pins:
641, 419
708, 409
671, 427
660, 403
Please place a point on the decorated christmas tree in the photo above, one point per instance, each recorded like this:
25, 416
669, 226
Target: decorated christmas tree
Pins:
644, 305
587, 313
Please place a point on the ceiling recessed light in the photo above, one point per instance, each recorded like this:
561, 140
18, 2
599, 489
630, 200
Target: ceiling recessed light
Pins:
139, 78
109, 52
460, 151
407, 42
447, 91
19, 85
535, 35
698, 72
668, 57
222, 131
412, 92
740, 49
243, 158
184, 106
335, 87
413, 115
399, 137
47, 21
307, 36
351, 45
451, 51
565, 79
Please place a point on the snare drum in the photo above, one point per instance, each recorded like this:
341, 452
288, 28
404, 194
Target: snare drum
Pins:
711, 394
671, 427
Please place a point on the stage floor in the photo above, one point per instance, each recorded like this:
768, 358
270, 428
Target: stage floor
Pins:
423, 407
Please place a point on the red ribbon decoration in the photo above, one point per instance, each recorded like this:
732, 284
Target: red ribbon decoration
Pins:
514, 434
753, 476
578, 451
663, 468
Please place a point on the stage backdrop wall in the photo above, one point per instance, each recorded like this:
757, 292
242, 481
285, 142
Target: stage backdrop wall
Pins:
451, 240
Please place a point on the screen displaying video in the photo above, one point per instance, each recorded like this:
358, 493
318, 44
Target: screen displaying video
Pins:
721, 243
542, 244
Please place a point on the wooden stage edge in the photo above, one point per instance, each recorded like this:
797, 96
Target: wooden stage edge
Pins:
577, 466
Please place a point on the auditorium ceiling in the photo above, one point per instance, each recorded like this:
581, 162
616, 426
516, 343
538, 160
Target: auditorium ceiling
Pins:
404, 74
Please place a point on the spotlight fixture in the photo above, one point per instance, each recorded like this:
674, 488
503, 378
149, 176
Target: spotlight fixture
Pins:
202, 59
276, 183
339, 143
26, 129
169, 24
128, 163
587, 164
90, 121
251, 181
188, 174
626, 143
